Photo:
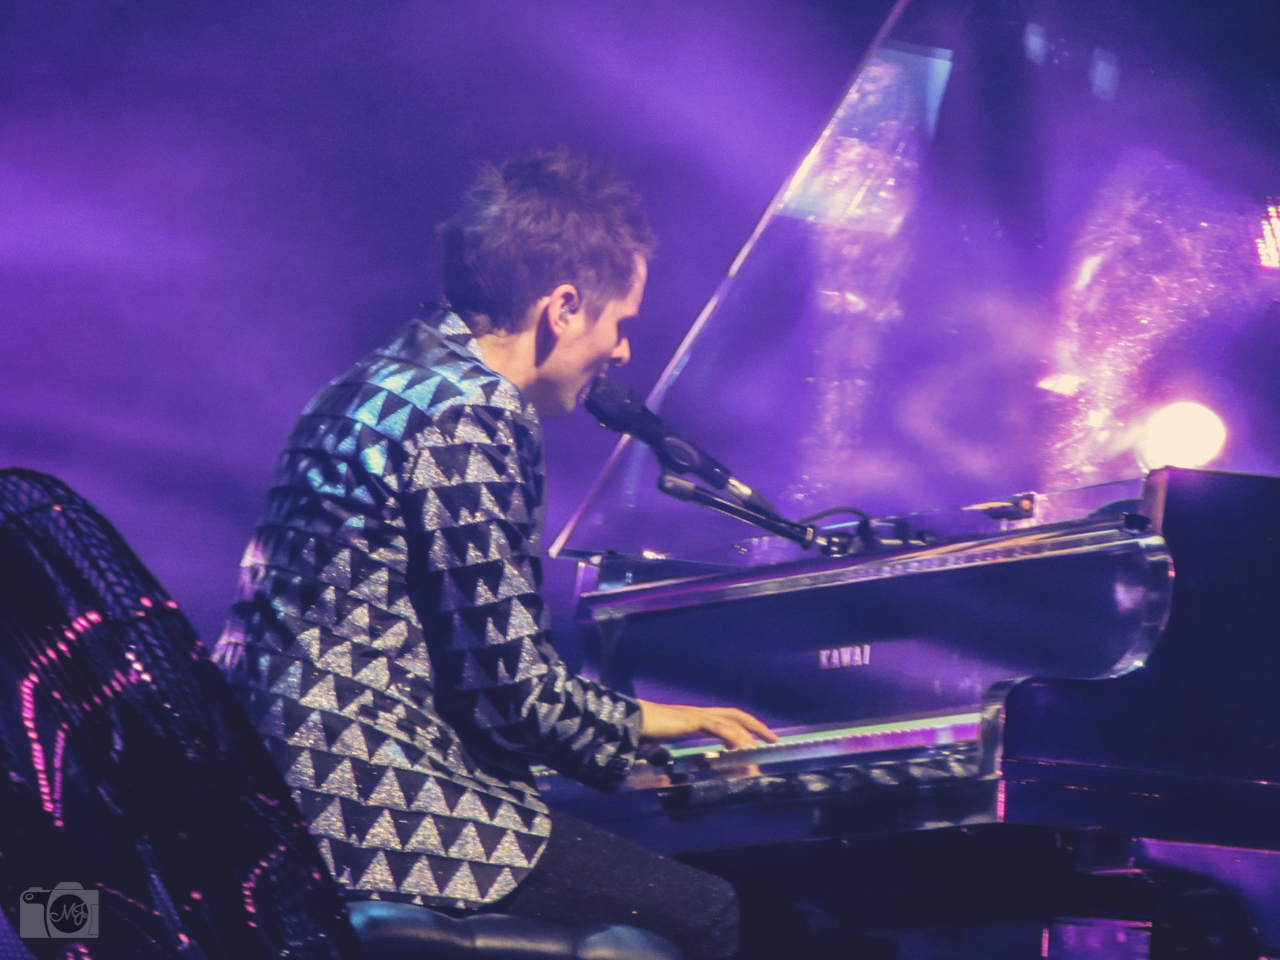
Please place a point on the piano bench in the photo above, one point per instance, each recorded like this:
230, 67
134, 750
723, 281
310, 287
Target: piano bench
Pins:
403, 931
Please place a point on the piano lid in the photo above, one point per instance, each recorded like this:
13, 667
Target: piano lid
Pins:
1024, 232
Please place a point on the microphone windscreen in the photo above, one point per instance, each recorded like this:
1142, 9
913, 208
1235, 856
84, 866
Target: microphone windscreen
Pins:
618, 408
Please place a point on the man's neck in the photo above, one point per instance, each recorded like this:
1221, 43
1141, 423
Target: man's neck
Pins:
512, 355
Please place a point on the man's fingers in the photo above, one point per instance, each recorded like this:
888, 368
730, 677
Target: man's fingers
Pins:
732, 732
756, 726
737, 728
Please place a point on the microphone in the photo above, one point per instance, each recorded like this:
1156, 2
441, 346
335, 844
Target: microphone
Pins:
618, 408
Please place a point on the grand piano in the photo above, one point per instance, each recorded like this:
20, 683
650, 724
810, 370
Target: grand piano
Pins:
1042, 722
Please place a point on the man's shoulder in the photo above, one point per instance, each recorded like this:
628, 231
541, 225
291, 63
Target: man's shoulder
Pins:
441, 338
430, 372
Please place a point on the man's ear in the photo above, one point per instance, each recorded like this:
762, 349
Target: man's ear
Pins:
552, 319
562, 304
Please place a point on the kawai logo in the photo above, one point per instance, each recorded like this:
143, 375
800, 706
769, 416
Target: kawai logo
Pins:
837, 657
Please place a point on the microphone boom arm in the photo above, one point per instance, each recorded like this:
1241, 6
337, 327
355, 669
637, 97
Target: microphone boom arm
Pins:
617, 408
832, 544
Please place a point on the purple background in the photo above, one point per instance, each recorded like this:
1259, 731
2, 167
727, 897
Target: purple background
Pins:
208, 209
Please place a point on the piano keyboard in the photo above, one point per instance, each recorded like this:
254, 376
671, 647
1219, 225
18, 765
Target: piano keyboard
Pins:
887, 744
825, 742
833, 780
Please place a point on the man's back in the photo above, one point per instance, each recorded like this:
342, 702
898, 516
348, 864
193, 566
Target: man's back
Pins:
398, 661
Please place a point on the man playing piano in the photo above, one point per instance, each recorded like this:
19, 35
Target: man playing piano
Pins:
390, 640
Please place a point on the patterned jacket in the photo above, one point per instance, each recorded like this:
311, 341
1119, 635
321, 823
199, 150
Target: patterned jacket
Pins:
390, 642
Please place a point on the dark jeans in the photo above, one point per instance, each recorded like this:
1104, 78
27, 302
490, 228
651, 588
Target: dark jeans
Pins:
587, 875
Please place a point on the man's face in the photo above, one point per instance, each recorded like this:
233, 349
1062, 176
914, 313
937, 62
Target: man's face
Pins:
587, 348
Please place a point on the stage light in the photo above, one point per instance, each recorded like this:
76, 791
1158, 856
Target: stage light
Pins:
1104, 77
1269, 242
1035, 43
1183, 434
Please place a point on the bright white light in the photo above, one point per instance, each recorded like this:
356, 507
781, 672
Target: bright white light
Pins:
1269, 242
1183, 434
1067, 384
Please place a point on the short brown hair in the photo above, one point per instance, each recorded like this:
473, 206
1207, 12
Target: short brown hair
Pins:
537, 221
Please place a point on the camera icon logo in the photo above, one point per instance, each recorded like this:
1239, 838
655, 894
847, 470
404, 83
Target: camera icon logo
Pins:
68, 910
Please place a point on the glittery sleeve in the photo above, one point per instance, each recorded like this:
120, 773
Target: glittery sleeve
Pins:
473, 501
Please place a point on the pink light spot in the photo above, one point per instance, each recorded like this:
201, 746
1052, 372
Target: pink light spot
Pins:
145, 601
59, 747
248, 885
27, 689
171, 604
93, 616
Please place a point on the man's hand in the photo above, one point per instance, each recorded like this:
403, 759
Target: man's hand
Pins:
662, 722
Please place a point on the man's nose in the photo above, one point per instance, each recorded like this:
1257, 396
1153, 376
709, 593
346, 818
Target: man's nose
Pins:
621, 353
